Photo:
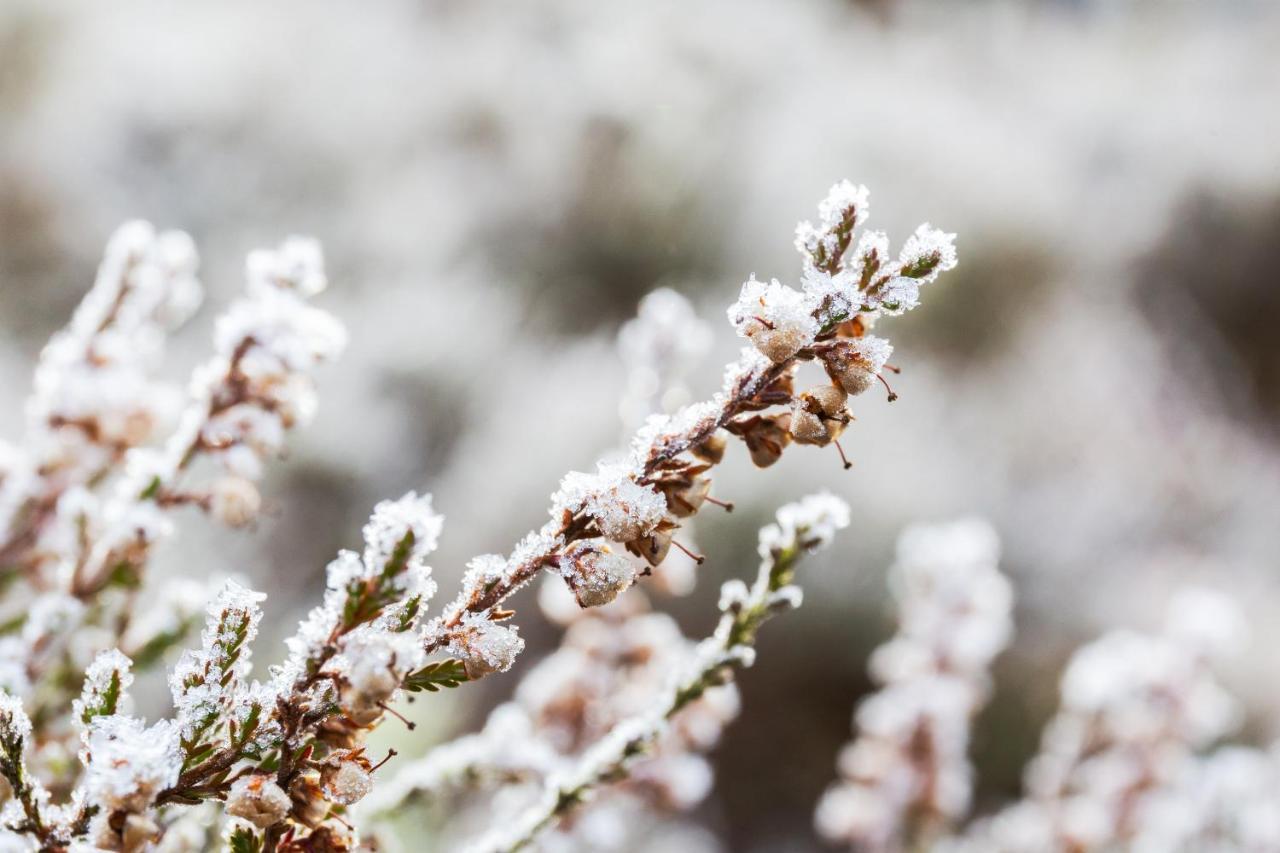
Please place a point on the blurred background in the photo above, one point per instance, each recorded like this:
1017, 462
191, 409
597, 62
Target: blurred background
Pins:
498, 184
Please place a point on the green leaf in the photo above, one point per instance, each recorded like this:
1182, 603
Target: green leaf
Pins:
244, 840
437, 675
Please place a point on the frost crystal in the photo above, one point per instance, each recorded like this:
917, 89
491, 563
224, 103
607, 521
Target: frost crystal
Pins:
106, 681
595, 573
392, 522
927, 253
623, 509
776, 318
130, 762
486, 647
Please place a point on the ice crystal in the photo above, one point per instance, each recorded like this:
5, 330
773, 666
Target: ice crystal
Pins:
486, 647
776, 318
130, 762
392, 521
623, 509
106, 681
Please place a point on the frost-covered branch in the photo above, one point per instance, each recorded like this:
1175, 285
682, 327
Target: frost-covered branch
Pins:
906, 777
637, 502
800, 528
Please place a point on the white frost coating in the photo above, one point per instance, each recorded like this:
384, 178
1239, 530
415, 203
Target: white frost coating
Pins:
365, 651
623, 509
393, 520
658, 347
298, 265
486, 647
954, 618
258, 799
110, 665
831, 210
13, 717
777, 319
1134, 710
930, 246
810, 522
130, 762
203, 681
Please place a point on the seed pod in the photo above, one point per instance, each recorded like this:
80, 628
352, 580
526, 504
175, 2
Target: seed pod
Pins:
765, 436
345, 777
818, 416
258, 799
687, 500
712, 448
856, 362
595, 573
654, 547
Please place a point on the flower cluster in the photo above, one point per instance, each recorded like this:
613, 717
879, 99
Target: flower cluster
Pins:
287, 754
1124, 765
639, 501
906, 776
1121, 753
661, 700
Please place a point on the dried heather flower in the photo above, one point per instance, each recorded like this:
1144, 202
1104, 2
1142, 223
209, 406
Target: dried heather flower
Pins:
258, 799
710, 665
595, 573
906, 776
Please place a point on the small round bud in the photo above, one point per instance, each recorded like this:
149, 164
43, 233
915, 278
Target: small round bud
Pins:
486, 647
689, 498
310, 808
765, 437
712, 448
234, 500
258, 799
595, 573
345, 777
818, 416
855, 363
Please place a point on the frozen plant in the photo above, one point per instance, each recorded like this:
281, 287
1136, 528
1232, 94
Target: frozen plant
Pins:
635, 743
906, 777
285, 755
1127, 763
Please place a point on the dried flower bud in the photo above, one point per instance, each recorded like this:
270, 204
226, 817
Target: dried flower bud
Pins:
856, 362
688, 499
234, 500
818, 416
137, 833
486, 647
776, 318
310, 807
345, 777
258, 799
712, 448
765, 436
654, 547
595, 573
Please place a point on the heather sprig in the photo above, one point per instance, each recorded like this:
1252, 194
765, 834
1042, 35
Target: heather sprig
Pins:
801, 528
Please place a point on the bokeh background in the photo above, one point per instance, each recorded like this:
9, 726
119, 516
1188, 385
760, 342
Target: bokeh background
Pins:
497, 184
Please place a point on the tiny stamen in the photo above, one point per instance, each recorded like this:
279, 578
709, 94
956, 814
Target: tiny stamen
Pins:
726, 505
843, 458
893, 395
391, 753
408, 723
893, 368
697, 558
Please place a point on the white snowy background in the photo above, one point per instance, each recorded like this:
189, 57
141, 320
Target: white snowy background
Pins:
497, 184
